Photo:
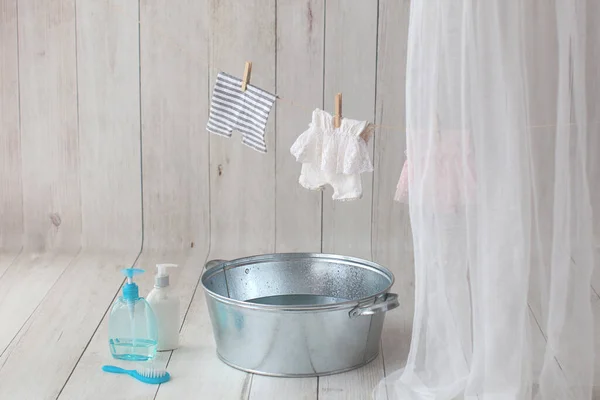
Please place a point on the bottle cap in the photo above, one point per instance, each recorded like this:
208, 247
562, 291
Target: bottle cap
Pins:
130, 289
161, 279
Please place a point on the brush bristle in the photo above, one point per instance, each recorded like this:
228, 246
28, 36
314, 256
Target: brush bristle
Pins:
152, 373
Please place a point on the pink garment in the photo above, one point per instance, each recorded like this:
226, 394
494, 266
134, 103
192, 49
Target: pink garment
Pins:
447, 181
402, 188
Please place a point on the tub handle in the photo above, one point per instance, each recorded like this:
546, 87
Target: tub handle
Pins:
213, 263
381, 304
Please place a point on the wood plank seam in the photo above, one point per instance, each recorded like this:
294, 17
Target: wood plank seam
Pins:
25, 323
78, 122
143, 233
387, 395
324, 60
20, 116
373, 181
275, 135
90, 339
12, 262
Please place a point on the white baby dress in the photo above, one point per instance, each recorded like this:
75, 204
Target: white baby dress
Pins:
334, 156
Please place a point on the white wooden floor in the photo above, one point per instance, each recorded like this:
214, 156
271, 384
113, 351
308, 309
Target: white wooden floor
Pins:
53, 339
53, 309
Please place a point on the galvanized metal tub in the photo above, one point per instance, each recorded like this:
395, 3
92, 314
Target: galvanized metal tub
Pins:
298, 314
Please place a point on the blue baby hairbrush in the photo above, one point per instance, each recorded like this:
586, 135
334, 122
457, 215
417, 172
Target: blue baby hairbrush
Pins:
146, 375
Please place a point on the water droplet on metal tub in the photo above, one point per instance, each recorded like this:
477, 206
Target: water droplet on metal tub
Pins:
247, 271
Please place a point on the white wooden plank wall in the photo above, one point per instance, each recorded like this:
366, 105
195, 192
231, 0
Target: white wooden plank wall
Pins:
300, 30
242, 191
11, 189
109, 124
105, 163
174, 99
49, 137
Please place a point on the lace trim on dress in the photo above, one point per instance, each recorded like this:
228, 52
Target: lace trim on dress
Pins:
341, 151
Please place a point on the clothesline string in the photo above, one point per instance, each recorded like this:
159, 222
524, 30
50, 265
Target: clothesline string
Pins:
293, 103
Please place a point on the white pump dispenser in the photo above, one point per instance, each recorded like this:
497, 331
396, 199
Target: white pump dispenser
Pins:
165, 305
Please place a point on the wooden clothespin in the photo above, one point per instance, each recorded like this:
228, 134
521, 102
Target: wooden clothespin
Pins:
247, 73
337, 120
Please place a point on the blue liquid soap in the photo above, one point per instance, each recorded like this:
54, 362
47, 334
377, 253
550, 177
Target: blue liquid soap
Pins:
132, 328
132, 350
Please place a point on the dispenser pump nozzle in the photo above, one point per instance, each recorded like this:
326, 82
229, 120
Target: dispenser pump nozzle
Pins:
130, 289
162, 277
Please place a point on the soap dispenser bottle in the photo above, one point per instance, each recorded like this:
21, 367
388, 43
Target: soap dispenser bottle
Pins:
165, 304
132, 330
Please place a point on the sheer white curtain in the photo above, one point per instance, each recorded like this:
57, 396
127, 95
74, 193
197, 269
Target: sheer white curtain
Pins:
502, 101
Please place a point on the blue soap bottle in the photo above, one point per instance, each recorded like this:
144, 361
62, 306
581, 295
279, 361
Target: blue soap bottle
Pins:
132, 328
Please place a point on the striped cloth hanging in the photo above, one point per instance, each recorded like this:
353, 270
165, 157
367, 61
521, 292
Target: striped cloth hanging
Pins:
244, 111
